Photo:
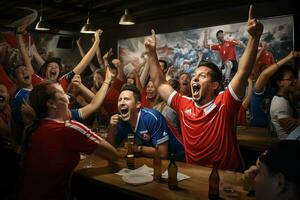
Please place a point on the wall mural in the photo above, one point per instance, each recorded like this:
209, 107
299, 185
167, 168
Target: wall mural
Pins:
182, 49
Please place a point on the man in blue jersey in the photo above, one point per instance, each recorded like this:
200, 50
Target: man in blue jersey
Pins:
148, 125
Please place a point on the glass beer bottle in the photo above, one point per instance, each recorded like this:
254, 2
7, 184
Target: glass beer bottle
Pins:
157, 165
130, 154
172, 173
214, 181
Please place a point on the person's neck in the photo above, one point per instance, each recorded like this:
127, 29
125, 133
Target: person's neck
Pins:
205, 101
133, 120
283, 93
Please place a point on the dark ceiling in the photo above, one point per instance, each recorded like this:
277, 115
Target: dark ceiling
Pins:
71, 14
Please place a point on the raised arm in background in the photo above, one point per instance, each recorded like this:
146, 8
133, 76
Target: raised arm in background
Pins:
82, 53
254, 28
90, 54
264, 77
156, 73
99, 97
24, 50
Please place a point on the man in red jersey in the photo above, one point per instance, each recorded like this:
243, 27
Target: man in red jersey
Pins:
208, 118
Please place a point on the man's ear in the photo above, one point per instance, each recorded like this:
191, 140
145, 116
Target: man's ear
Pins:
215, 85
138, 105
280, 183
51, 104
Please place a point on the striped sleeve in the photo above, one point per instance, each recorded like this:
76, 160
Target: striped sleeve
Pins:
85, 131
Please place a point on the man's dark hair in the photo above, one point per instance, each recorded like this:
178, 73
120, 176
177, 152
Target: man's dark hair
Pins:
134, 89
284, 157
279, 75
218, 32
216, 74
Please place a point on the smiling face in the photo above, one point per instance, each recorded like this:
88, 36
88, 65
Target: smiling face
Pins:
23, 77
288, 82
3, 97
52, 71
202, 86
128, 106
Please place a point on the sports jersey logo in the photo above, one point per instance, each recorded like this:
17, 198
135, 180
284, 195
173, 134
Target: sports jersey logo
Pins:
146, 136
209, 108
165, 133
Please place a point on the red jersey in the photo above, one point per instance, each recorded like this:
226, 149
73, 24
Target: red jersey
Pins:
110, 103
265, 60
63, 81
52, 156
242, 118
209, 131
226, 50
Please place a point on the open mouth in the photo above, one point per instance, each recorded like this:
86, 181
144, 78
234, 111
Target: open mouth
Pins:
26, 77
196, 87
53, 73
124, 111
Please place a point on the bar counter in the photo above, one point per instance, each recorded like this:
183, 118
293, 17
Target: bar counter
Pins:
102, 177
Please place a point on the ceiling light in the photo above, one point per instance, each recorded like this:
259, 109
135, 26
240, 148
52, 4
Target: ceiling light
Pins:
41, 25
88, 28
126, 19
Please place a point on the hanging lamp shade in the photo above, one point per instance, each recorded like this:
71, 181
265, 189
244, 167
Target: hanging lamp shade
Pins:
126, 19
88, 28
41, 25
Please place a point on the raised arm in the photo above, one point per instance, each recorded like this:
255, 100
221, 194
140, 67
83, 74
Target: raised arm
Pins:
145, 73
24, 51
90, 54
120, 67
247, 99
156, 73
99, 58
82, 53
38, 58
99, 97
269, 71
205, 40
255, 29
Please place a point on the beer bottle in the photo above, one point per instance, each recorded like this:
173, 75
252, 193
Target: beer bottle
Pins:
172, 173
130, 153
214, 181
157, 165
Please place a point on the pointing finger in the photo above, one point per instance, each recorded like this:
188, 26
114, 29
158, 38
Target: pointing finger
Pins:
251, 14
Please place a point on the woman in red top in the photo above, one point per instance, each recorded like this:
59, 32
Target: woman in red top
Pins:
54, 144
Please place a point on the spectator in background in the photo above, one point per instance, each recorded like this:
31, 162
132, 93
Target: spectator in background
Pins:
264, 59
283, 113
258, 107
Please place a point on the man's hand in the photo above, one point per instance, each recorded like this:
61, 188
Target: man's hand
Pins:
254, 26
114, 119
150, 43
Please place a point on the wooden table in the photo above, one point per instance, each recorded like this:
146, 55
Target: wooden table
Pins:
195, 187
254, 138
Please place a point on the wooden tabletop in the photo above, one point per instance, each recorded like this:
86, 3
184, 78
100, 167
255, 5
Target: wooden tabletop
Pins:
195, 187
254, 138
